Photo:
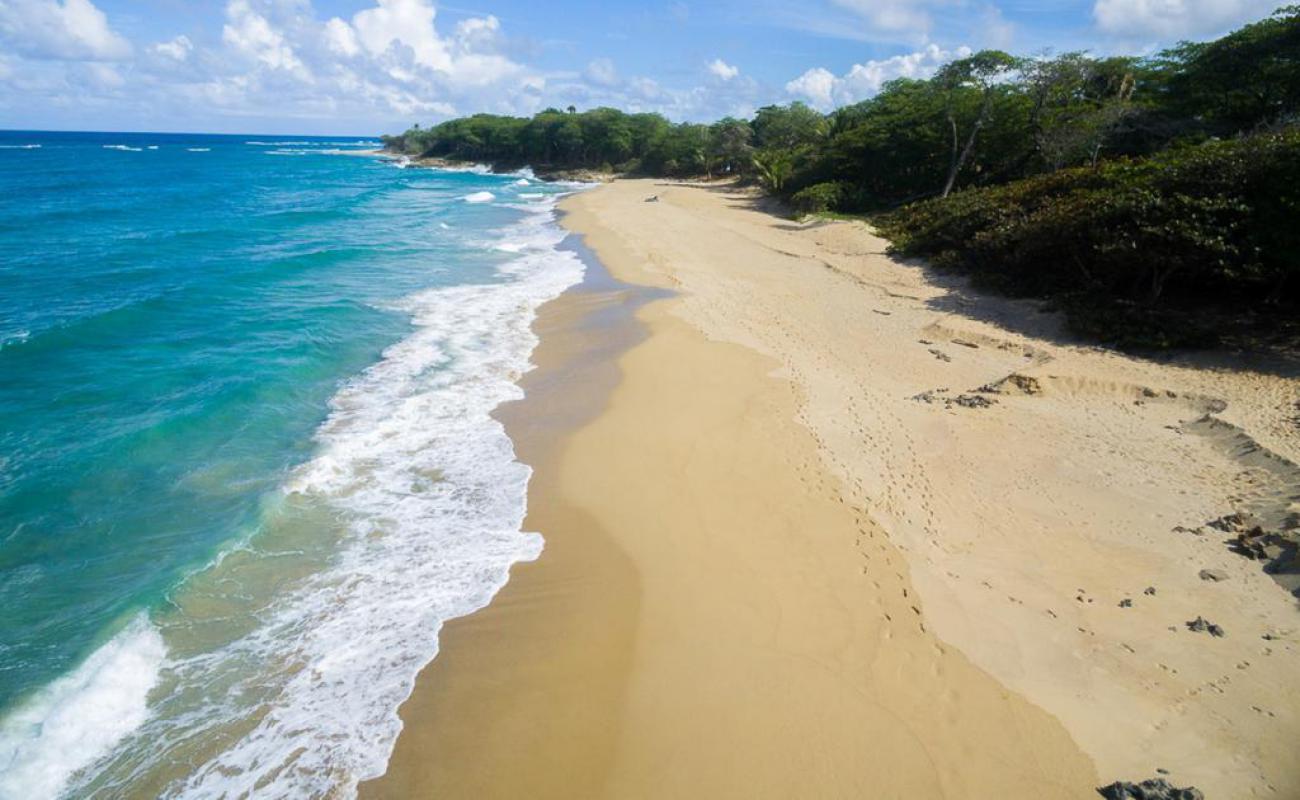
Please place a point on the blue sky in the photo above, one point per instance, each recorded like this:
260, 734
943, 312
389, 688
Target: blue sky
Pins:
368, 66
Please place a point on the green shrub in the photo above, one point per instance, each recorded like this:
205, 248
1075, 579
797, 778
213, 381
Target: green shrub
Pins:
1211, 224
818, 198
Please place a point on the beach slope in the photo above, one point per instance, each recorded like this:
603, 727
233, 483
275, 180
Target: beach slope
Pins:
843, 528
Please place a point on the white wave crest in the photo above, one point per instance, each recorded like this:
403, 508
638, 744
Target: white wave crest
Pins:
479, 197
124, 148
81, 716
411, 455
20, 147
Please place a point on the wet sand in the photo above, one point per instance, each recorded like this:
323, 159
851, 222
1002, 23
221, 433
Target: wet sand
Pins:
714, 615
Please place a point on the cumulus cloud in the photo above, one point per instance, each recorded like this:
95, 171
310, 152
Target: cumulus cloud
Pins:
272, 64
1174, 18
723, 70
73, 30
825, 90
251, 34
177, 49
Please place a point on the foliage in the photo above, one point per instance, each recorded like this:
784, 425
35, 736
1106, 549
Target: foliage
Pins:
818, 198
1124, 183
1199, 225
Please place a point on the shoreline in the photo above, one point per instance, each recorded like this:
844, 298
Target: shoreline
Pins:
796, 482
543, 173
582, 588
749, 629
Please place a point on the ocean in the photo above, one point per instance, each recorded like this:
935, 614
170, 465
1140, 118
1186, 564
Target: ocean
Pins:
247, 460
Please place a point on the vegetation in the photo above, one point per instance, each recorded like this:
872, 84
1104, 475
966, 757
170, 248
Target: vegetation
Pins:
1154, 198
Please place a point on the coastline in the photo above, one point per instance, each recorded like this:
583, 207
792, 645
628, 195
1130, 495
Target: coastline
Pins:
789, 556
709, 615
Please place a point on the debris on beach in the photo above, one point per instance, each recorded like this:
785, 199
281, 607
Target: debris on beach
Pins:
1214, 575
1279, 550
1202, 625
1153, 789
934, 396
965, 401
1013, 384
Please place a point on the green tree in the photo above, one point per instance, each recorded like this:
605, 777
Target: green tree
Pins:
980, 73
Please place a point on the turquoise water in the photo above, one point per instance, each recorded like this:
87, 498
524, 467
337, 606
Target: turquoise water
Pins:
247, 466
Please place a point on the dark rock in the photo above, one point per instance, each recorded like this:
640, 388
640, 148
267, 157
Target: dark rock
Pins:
1154, 789
1013, 384
965, 343
939, 354
1126, 603
1149, 590
973, 401
1202, 625
1230, 523
1215, 575
934, 396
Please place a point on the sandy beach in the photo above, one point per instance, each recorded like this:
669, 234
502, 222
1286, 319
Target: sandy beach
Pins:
825, 524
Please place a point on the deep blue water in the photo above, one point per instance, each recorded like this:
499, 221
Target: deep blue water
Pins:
207, 344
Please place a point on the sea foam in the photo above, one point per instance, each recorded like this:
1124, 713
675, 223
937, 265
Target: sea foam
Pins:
81, 716
411, 455
479, 197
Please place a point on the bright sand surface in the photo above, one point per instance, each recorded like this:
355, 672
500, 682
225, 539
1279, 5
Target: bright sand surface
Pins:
771, 571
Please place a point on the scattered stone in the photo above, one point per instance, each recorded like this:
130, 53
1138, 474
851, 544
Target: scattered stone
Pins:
882, 313
1161, 771
925, 341
1215, 575
1148, 392
1013, 384
932, 396
939, 354
1230, 523
965, 343
1149, 590
1153, 789
964, 400
1126, 603
1279, 550
1202, 625
1193, 531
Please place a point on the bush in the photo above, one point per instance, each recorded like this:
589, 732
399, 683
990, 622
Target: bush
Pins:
819, 197
1209, 225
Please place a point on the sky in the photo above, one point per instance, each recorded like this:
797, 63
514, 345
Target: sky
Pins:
363, 67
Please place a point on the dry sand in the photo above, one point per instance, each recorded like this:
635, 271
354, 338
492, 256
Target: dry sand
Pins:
772, 572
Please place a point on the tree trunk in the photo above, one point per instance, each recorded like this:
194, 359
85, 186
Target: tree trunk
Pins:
960, 161
952, 162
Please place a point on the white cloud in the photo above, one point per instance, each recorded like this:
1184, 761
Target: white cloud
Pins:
723, 70
891, 15
823, 89
177, 49
602, 72
73, 30
1166, 19
817, 86
252, 34
341, 38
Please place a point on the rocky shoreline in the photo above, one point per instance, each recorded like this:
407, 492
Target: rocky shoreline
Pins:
543, 172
